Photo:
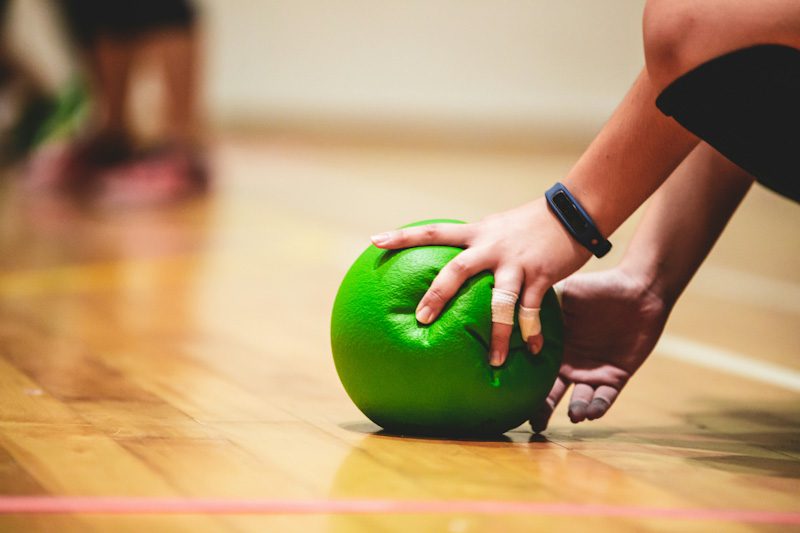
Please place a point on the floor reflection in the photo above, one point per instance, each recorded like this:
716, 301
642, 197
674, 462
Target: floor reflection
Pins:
81, 283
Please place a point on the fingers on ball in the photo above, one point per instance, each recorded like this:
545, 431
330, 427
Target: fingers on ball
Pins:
504, 299
501, 337
442, 233
447, 283
535, 343
530, 321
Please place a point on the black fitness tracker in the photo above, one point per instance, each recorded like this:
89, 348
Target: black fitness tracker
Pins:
577, 221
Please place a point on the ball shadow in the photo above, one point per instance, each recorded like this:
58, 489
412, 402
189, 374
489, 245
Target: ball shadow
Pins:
740, 439
512, 437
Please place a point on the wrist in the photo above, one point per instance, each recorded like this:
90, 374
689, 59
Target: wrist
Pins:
577, 221
596, 203
649, 275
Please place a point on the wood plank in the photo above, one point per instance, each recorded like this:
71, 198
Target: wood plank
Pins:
185, 352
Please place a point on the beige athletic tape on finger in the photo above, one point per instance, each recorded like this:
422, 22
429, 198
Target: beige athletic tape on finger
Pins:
529, 323
503, 303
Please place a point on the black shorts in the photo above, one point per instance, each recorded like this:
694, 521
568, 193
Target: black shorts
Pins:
88, 19
746, 105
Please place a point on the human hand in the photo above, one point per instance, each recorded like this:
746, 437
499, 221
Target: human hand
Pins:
525, 247
612, 322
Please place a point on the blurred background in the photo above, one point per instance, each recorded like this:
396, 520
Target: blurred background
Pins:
478, 71
184, 185
256, 136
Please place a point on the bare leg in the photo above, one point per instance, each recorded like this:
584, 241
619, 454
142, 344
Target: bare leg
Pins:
110, 63
177, 167
639, 147
76, 162
178, 51
682, 34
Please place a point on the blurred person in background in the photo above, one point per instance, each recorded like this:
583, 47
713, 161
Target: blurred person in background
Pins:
105, 155
25, 105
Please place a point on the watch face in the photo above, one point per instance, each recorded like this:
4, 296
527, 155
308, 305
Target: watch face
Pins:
570, 212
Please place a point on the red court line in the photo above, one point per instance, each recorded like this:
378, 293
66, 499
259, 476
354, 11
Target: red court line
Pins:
125, 505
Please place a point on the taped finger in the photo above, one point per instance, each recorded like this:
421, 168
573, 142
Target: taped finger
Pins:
504, 301
503, 304
530, 324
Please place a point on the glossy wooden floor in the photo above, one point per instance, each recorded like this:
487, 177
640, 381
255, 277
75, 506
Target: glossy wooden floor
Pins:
184, 352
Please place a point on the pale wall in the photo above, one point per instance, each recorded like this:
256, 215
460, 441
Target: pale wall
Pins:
515, 63
469, 65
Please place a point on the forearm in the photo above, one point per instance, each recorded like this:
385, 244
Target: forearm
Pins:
634, 153
684, 220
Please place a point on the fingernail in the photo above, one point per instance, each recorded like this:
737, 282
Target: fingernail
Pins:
597, 408
496, 359
425, 315
380, 239
577, 411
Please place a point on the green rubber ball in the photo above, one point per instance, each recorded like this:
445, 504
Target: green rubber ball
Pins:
434, 380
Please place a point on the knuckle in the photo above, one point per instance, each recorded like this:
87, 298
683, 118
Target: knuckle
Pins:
493, 249
537, 279
436, 295
616, 378
520, 255
499, 336
618, 381
459, 266
533, 269
431, 232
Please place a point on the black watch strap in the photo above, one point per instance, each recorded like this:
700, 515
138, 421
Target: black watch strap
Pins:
577, 221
